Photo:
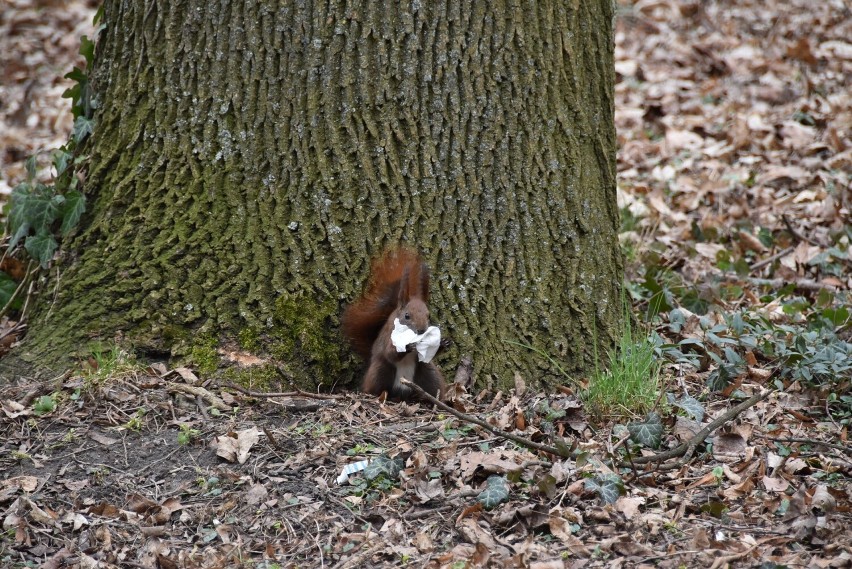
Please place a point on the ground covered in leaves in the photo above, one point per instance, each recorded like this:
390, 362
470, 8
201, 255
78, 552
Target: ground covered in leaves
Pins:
735, 135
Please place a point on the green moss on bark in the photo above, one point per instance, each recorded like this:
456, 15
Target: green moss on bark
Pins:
305, 334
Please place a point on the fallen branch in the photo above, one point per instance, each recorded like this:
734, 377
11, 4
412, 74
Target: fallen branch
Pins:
686, 449
800, 284
796, 235
724, 560
769, 260
295, 393
841, 448
476, 421
214, 400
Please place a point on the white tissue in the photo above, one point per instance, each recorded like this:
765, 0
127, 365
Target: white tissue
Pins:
351, 469
427, 343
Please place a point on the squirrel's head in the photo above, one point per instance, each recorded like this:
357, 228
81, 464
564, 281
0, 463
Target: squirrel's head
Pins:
415, 315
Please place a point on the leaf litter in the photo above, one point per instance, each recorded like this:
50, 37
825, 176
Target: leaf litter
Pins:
735, 153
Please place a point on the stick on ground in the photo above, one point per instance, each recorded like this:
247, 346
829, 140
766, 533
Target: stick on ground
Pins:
476, 421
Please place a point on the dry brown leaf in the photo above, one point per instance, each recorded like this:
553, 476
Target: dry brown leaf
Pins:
187, 375
775, 484
26, 483
738, 491
256, 494
495, 461
629, 505
102, 439
751, 242
235, 446
823, 499
423, 542
709, 250
427, 490
13, 409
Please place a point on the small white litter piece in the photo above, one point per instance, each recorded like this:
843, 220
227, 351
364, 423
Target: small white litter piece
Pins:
351, 469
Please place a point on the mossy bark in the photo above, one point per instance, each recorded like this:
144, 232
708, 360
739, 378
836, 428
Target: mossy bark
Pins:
250, 157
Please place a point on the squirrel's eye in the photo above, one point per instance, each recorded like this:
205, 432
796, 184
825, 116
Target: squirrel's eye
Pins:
407, 316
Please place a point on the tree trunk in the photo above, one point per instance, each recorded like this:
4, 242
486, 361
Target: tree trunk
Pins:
250, 157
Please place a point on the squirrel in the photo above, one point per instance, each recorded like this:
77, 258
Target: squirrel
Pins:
398, 288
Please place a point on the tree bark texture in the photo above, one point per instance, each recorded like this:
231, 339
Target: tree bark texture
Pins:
250, 157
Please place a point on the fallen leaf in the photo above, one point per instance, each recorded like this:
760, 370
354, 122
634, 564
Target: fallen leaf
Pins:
775, 484
102, 439
235, 447
629, 506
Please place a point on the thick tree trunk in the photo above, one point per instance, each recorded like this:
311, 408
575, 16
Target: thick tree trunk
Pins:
250, 157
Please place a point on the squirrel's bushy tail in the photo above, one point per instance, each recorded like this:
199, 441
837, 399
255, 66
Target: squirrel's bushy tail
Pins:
395, 278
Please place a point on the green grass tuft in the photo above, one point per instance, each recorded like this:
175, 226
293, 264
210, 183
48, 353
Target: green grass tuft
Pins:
631, 385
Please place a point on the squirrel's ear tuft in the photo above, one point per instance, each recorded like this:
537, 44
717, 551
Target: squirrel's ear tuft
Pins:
405, 287
423, 280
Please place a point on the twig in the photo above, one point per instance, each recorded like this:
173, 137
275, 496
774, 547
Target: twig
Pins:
471, 419
18, 289
841, 448
801, 284
769, 260
669, 554
687, 448
214, 400
295, 393
796, 235
420, 514
725, 559
799, 237
361, 558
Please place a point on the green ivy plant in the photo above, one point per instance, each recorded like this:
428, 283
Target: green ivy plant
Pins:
37, 214
35, 209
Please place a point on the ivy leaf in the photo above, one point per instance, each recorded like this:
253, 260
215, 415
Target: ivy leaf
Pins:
608, 487
648, 432
83, 127
72, 210
836, 316
61, 160
8, 286
31, 166
383, 466
18, 224
77, 91
694, 409
41, 208
87, 50
721, 377
41, 247
496, 491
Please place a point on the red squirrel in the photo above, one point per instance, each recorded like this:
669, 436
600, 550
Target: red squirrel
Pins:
398, 288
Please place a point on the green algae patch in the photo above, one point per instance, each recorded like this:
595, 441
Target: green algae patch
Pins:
256, 378
249, 339
204, 356
305, 336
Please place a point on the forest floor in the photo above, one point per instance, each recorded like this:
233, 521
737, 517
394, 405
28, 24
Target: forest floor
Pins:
735, 153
